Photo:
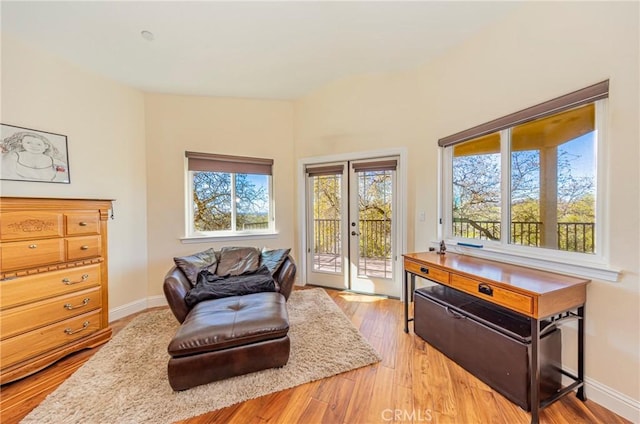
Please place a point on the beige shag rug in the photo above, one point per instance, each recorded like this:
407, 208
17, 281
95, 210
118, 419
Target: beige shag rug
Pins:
126, 381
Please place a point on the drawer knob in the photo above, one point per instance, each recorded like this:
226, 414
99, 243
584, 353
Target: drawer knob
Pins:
68, 282
85, 247
69, 331
69, 306
82, 224
33, 246
485, 289
424, 270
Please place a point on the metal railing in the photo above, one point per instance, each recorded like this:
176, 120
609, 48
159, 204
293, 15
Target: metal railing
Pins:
572, 236
375, 237
375, 247
255, 225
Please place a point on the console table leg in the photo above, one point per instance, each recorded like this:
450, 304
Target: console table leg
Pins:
535, 371
581, 395
406, 301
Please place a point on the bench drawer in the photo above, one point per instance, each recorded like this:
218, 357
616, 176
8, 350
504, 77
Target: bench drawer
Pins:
492, 293
428, 272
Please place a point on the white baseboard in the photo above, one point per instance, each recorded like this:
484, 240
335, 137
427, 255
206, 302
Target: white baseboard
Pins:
609, 398
137, 306
155, 301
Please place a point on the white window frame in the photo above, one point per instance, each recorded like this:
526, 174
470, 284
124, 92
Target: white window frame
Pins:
594, 266
194, 236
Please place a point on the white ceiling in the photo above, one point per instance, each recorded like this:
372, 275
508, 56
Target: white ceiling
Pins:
278, 50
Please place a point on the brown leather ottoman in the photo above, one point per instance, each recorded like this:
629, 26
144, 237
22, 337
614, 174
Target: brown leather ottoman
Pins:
222, 338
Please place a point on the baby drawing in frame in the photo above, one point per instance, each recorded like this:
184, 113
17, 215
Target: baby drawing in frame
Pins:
30, 155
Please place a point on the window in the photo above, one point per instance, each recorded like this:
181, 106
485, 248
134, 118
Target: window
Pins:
528, 182
228, 195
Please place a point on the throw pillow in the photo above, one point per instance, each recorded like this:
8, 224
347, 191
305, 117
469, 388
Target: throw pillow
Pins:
238, 261
191, 265
273, 258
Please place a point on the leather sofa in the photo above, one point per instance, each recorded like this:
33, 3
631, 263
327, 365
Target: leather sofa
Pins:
226, 337
176, 285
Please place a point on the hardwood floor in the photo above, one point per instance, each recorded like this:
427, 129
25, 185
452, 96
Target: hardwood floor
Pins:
414, 383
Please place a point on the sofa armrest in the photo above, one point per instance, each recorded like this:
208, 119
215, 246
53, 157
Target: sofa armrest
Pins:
286, 276
176, 285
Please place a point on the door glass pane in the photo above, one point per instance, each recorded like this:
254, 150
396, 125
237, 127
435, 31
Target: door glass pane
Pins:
375, 214
553, 176
327, 226
476, 188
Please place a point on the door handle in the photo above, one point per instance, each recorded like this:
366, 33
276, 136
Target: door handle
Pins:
353, 233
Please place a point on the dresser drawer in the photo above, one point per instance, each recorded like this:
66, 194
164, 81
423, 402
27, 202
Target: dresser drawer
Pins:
428, 272
83, 247
23, 290
31, 254
28, 317
33, 343
492, 293
80, 223
30, 225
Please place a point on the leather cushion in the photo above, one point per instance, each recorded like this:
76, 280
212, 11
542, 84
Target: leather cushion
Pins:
238, 261
191, 265
273, 258
229, 322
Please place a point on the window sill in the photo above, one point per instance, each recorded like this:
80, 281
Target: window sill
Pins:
591, 270
224, 238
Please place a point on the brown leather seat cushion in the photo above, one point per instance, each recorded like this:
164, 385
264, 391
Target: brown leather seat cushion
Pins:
219, 324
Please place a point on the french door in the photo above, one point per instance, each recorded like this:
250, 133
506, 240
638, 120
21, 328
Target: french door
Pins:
351, 228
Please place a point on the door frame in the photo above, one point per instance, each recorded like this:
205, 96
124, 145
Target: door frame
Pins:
401, 230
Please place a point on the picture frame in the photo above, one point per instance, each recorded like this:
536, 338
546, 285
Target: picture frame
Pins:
33, 155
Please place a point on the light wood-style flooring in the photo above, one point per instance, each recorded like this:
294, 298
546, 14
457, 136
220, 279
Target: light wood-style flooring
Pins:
414, 383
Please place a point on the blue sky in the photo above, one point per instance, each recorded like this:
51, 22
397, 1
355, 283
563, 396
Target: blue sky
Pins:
582, 151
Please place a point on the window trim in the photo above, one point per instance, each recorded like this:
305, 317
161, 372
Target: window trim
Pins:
586, 265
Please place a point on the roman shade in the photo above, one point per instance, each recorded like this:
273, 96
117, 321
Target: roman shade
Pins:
568, 101
319, 170
210, 162
379, 165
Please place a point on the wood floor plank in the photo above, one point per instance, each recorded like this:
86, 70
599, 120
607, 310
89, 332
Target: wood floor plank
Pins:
336, 392
381, 395
415, 382
358, 408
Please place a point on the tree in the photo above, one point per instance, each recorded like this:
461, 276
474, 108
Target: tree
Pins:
477, 194
375, 213
212, 201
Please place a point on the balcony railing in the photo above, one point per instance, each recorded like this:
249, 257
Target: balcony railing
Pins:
375, 237
572, 236
375, 247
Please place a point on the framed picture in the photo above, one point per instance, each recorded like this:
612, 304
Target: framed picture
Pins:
32, 155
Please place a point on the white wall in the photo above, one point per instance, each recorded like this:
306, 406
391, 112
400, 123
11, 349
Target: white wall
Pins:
104, 125
242, 127
541, 51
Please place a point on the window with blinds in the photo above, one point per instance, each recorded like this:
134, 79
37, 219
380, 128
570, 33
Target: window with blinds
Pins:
529, 179
229, 195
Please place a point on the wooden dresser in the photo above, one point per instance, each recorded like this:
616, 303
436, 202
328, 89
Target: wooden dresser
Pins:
53, 281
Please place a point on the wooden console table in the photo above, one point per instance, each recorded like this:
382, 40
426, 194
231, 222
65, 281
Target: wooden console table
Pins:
533, 293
